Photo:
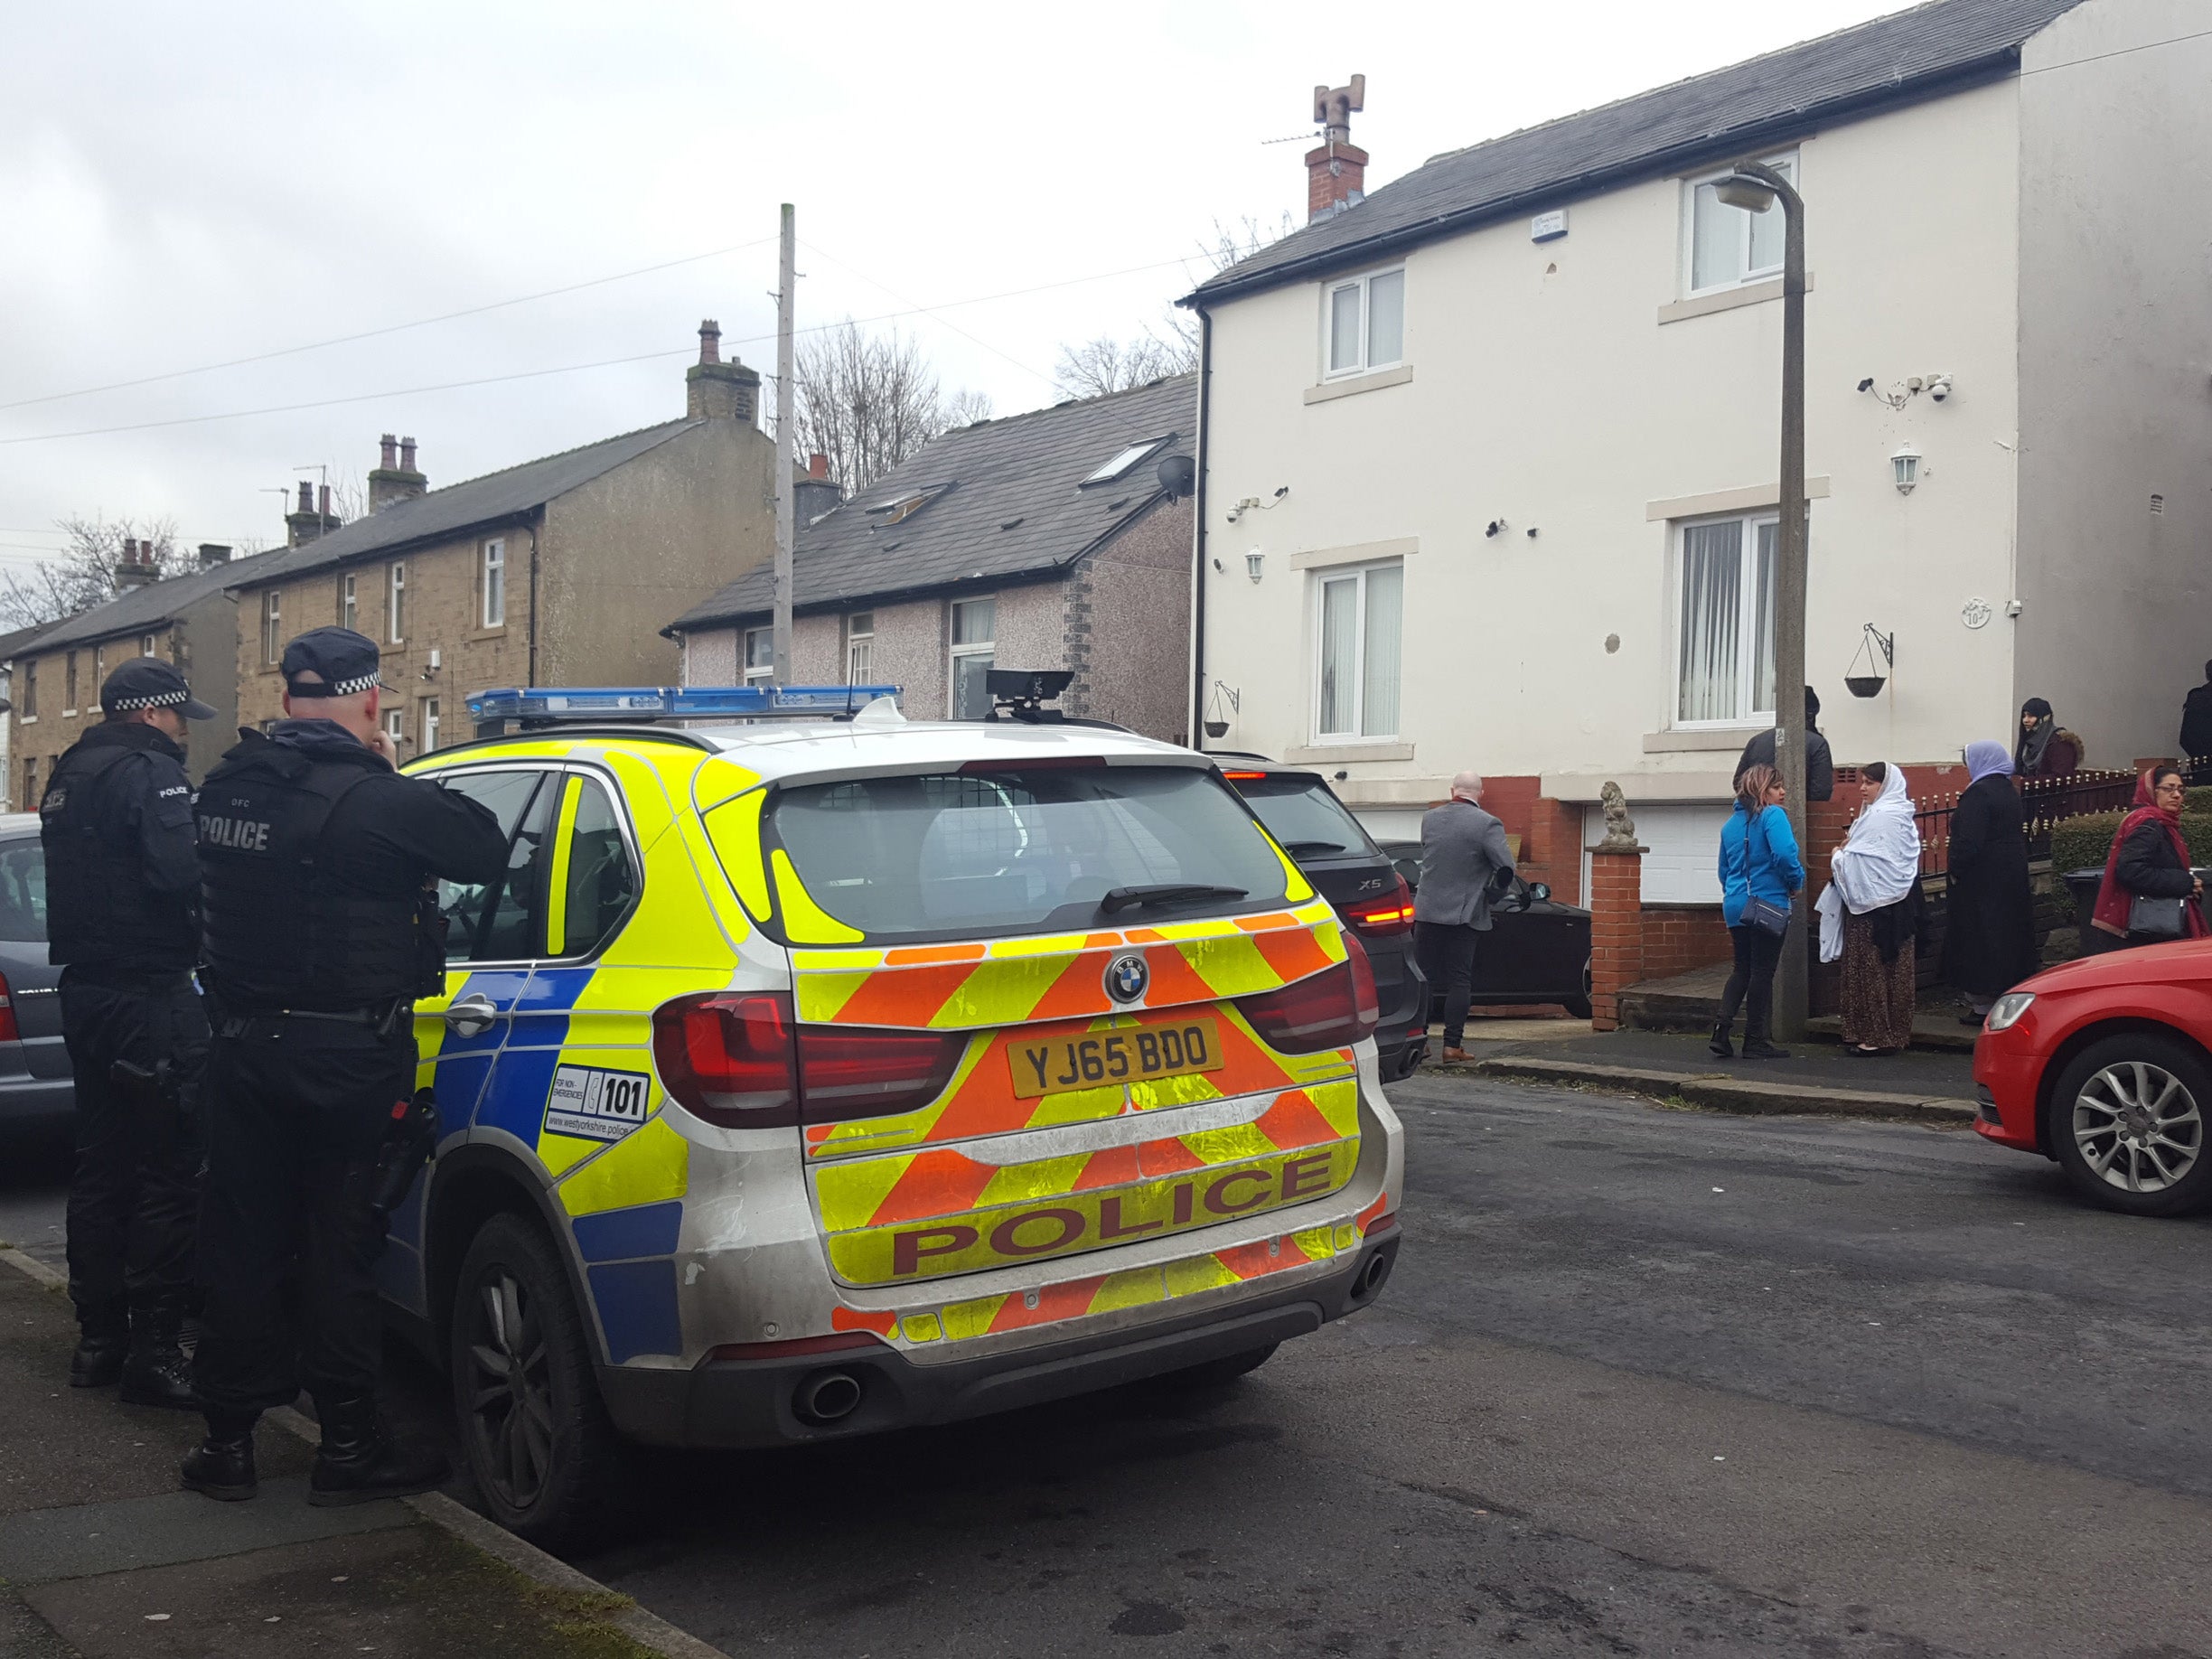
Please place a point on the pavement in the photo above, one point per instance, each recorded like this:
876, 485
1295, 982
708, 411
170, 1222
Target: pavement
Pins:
1820, 1076
102, 1556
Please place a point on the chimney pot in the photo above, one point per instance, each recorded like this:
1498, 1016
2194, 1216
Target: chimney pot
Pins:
711, 341
406, 455
818, 465
1336, 171
306, 496
388, 444
323, 504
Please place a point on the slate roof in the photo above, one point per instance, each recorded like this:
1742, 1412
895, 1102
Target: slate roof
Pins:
12, 644
147, 606
1015, 507
1708, 119
441, 513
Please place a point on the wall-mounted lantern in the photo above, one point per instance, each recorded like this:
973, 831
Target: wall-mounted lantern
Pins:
1254, 563
1904, 467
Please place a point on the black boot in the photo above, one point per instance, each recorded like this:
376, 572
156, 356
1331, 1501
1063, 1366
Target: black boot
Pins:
1757, 1047
358, 1463
156, 1372
1720, 1046
222, 1466
103, 1340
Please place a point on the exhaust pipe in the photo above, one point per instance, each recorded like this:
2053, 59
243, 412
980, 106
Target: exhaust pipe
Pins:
826, 1396
1371, 1276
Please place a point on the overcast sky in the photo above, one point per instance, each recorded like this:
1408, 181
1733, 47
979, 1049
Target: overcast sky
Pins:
181, 185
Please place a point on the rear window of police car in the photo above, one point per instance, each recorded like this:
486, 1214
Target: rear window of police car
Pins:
974, 853
1303, 814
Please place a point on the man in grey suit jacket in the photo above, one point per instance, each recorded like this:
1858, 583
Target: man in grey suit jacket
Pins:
1463, 847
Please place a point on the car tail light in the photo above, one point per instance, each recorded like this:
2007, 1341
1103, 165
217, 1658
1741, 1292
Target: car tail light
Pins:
8, 1032
864, 1072
1323, 1010
1385, 917
739, 1059
729, 1058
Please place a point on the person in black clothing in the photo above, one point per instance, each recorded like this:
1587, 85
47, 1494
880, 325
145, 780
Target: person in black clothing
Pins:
1989, 933
2196, 720
1820, 766
2149, 859
122, 916
320, 911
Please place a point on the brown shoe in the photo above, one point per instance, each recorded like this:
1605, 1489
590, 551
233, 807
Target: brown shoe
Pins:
1455, 1056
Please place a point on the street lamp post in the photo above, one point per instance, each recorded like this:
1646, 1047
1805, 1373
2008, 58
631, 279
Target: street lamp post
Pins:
1756, 187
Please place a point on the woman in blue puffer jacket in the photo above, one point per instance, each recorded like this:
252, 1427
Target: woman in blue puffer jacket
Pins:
1759, 870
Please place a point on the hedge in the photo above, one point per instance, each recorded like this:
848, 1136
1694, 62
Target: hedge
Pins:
2082, 843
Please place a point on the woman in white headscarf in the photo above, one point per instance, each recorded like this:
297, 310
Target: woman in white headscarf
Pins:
1875, 893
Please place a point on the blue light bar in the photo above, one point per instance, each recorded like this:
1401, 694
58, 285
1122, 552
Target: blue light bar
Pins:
549, 704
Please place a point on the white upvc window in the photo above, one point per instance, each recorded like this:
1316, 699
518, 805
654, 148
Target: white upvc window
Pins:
1359, 624
395, 602
429, 723
759, 656
272, 625
494, 584
859, 648
1362, 324
395, 725
1724, 585
348, 603
1725, 247
146, 646
975, 652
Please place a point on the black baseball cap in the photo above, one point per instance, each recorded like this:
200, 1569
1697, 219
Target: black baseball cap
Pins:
148, 682
345, 661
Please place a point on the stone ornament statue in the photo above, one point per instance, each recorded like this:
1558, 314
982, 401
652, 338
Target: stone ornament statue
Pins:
1620, 829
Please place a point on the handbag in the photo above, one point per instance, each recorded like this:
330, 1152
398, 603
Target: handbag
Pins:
2151, 917
1762, 913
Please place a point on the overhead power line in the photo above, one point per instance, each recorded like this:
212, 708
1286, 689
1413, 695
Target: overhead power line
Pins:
605, 363
389, 328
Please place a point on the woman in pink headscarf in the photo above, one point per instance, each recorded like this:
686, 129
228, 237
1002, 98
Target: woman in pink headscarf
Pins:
2148, 861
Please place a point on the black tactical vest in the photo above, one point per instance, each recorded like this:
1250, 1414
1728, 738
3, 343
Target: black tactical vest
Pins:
283, 928
98, 907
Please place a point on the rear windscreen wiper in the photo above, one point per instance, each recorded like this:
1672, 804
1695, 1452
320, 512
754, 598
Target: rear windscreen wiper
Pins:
1295, 847
1163, 893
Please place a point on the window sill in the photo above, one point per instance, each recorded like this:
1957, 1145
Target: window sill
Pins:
1705, 739
29, 719
1315, 754
68, 714
499, 632
1727, 299
1352, 385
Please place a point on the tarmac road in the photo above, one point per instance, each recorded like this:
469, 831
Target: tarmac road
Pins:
1646, 1381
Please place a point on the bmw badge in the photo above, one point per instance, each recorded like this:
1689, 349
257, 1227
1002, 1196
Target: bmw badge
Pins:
1126, 977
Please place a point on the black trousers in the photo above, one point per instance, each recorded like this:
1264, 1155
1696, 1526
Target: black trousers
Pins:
298, 1109
136, 1187
1447, 955
1758, 954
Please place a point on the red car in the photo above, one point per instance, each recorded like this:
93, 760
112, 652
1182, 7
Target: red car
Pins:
2105, 1065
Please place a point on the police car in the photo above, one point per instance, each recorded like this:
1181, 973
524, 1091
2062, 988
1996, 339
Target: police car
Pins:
808, 1080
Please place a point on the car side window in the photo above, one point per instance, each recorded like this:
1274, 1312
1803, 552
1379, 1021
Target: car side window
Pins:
23, 892
594, 877
494, 921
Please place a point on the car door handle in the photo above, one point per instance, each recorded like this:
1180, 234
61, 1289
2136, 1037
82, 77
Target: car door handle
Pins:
471, 1016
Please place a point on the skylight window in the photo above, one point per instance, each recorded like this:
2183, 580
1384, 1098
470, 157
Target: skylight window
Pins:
1126, 459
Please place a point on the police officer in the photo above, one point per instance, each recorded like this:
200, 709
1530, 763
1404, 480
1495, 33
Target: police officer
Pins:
122, 916
316, 854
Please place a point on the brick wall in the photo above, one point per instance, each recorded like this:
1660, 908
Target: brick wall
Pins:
1552, 851
1617, 931
1678, 938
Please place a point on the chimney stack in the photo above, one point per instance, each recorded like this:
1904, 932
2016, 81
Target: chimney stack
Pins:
717, 390
398, 482
213, 553
389, 457
135, 568
309, 519
813, 491
1336, 171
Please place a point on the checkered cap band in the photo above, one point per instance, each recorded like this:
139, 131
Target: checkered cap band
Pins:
336, 687
159, 699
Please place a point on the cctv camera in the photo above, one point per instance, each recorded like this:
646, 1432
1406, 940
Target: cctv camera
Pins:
1939, 387
1867, 384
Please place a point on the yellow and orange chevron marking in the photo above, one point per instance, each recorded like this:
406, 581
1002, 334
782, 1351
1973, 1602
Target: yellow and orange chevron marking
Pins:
914, 1215
1010, 982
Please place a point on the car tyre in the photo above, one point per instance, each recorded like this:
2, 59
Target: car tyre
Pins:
533, 1430
2128, 1121
1220, 1373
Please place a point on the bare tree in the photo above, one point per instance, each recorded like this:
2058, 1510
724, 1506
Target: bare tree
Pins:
1170, 345
869, 401
83, 574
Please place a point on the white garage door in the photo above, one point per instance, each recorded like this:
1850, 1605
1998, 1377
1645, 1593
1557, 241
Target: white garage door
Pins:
1681, 869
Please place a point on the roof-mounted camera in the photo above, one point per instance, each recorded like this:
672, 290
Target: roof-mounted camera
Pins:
1021, 694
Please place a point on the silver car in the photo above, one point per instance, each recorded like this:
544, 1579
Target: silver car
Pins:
35, 1088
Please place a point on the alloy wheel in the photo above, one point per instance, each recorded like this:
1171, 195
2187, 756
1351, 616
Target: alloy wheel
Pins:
2138, 1127
511, 1390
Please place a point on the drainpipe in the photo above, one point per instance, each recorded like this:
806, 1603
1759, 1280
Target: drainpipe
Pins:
1198, 512
533, 605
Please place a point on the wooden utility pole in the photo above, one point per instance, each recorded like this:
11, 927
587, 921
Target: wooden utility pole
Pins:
787, 504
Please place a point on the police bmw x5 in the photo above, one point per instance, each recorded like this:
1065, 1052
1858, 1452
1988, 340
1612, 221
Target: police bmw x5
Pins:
806, 1079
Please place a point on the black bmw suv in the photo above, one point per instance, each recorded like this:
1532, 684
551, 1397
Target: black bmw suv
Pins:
1348, 869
